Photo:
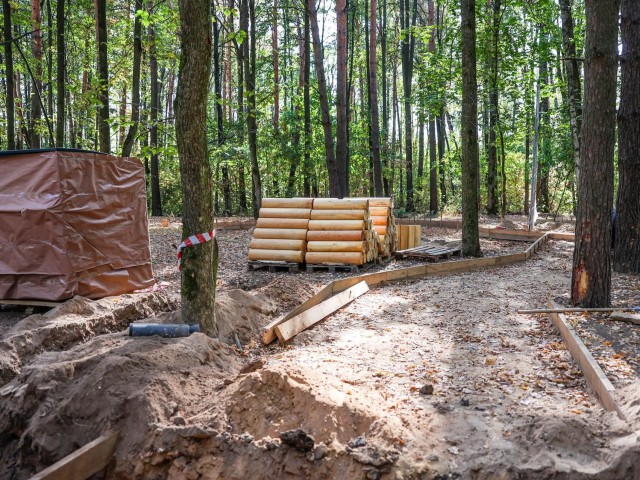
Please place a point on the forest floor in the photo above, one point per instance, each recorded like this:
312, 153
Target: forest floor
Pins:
427, 379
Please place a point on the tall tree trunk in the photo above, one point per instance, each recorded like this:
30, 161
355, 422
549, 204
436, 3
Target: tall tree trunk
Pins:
373, 101
36, 80
441, 146
433, 168
276, 78
103, 75
420, 146
626, 257
341, 97
252, 125
199, 262
492, 157
533, 203
408, 14
8, 59
307, 109
127, 145
385, 101
591, 279
574, 88
156, 202
334, 183
469, 133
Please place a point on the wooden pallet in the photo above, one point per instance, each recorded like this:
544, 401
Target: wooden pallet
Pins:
431, 253
339, 267
273, 266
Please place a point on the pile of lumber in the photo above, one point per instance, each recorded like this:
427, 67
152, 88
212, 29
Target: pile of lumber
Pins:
384, 224
281, 230
341, 232
409, 236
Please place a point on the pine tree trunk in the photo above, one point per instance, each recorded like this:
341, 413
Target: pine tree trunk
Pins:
492, 157
199, 262
574, 88
373, 101
341, 96
334, 183
60, 73
385, 102
433, 168
469, 133
127, 146
626, 257
591, 280
36, 81
308, 175
276, 77
103, 75
8, 59
156, 202
408, 20
441, 146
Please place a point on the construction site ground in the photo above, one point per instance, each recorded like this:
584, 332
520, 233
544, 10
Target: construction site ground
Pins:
429, 379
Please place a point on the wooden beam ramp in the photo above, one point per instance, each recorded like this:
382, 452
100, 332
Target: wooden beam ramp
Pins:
269, 333
84, 462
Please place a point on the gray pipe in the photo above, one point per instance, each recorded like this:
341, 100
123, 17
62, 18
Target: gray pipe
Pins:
167, 330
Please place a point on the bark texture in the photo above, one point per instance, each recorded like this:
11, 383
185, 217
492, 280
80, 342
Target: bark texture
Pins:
8, 58
626, 256
199, 265
591, 279
135, 84
104, 134
469, 133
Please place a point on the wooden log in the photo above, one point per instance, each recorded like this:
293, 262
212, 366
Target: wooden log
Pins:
341, 258
287, 330
596, 378
380, 229
379, 211
284, 233
296, 256
287, 203
285, 213
337, 224
276, 244
377, 201
283, 223
82, 463
340, 204
339, 214
380, 220
328, 246
336, 235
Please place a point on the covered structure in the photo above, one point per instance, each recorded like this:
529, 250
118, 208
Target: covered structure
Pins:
72, 222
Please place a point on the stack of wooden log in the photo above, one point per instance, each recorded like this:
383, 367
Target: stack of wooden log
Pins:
281, 230
341, 232
384, 224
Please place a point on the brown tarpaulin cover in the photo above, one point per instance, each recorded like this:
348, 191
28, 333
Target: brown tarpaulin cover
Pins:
72, 223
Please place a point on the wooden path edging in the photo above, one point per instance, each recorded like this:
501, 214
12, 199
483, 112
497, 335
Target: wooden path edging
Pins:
594, 375
82, 463
409, 273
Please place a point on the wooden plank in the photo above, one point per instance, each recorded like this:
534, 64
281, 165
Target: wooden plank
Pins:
82, 463
625, 317
596, 378
297, 324
268, 332
31, 303
567, 310
570, 237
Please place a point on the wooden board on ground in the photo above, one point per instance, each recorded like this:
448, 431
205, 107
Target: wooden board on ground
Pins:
31, 303
625, 317
596, 378
429, 252
333, 268
297, 324
82, 463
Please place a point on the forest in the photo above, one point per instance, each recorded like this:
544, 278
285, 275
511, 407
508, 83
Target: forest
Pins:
358, 98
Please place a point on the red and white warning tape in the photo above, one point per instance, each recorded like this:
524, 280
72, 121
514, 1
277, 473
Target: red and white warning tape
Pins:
194, 240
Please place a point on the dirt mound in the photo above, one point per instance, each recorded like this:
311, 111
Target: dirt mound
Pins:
69, 385
75, 321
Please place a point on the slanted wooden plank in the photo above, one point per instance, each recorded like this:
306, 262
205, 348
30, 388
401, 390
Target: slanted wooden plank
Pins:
297, 324
82, 463
596, 378
625, 317
268, 332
